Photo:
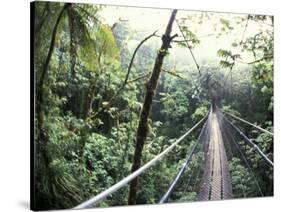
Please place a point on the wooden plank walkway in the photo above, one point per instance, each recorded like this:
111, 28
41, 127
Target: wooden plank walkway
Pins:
216, 182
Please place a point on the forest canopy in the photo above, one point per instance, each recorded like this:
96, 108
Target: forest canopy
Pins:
115, 86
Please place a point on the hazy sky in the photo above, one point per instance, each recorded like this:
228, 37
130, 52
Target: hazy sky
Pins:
148, 20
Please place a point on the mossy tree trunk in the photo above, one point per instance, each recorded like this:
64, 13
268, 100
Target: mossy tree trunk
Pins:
42, 143
151, 88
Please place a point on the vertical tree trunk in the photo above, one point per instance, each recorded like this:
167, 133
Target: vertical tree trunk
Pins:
40, 92
49, 55
151, 87
72, 41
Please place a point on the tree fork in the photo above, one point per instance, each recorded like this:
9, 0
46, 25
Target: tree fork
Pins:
151, 87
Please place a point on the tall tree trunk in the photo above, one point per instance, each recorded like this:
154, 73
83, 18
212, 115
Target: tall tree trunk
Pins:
72, 41
40, 92
50, 53
151, 87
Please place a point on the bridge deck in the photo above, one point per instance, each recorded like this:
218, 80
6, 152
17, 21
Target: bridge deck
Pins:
216, 182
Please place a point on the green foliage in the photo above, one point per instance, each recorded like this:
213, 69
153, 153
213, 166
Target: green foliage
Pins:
230, 58
59, 185
88, 146
190, 36
242, 182
200, 112
228, 109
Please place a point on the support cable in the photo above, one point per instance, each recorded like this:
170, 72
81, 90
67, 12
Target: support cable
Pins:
89, 203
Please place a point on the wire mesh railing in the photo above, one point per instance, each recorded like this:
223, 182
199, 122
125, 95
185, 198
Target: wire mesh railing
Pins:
203, 136
251, 168
108, 192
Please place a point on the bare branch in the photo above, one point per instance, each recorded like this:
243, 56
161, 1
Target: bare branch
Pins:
184, 41
129, 68
138, 78
266, 57
173, 74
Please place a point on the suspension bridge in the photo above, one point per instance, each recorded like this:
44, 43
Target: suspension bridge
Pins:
215, 140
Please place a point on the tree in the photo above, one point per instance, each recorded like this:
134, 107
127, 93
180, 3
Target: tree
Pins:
150, 92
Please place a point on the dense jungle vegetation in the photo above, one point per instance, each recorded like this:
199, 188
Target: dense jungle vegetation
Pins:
102, 109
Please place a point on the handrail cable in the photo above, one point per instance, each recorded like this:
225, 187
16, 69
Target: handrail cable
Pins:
240, 119
129, 178
172, 186
257, 149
